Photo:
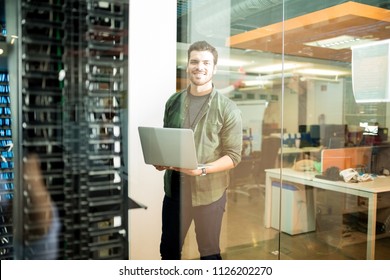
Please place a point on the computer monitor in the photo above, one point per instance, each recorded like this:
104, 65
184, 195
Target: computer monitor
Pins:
335, 133
302, 128
336, 142
315, 134
315, 131
383, 133
376, 136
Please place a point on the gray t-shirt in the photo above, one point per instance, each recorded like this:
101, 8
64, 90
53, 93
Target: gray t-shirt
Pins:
196, 105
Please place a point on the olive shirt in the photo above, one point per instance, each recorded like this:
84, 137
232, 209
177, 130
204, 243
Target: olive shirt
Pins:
218, 133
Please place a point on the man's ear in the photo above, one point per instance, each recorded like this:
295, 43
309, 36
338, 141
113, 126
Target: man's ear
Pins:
215, 69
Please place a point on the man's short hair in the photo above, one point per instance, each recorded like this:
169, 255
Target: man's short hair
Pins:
203, 46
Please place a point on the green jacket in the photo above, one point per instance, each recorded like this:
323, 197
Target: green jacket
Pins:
218, 133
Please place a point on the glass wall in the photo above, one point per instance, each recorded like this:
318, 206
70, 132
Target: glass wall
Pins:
312, 81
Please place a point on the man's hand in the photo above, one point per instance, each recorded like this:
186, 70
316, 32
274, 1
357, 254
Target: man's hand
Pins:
161, 168
190, 172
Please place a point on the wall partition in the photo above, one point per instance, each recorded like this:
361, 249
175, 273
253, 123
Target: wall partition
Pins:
312, 81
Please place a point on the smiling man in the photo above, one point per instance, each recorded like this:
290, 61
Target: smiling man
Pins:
199, 195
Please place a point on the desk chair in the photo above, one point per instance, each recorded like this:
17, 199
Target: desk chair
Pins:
249, 174
242, 179
268, 157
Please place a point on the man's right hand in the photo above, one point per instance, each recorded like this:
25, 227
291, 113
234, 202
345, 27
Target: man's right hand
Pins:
161, 168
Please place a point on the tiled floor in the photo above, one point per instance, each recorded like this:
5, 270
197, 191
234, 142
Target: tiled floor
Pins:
244, 237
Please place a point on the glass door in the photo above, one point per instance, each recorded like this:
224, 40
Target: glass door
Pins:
313, 104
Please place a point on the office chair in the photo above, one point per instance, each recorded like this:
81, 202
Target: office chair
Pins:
249, 174
268, 159
242, 179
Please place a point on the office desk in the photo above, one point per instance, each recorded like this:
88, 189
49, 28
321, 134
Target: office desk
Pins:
297, 153
294, 150
369, 190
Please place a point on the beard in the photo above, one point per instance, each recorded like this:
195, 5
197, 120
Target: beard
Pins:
200, 79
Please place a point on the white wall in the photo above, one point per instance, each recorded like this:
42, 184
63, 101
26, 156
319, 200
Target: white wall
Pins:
152, 79
290, 114
325, 98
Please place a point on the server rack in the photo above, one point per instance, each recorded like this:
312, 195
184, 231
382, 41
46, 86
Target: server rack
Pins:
6, 169
71, 99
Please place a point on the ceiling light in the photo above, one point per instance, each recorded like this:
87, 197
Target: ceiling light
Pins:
320, 72
103, 4
231, 62
339, 42
316, 78
276, 67
266, 79
13, 37
257, 83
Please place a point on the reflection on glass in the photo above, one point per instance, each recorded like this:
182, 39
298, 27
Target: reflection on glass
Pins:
64, 143
300, 68
42, 223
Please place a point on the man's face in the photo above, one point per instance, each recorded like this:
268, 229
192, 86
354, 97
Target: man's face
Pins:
200, 67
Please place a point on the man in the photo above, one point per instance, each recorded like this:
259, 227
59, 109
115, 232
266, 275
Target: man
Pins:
199, 195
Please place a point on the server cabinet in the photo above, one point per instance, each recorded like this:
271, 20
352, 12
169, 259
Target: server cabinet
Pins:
68, 90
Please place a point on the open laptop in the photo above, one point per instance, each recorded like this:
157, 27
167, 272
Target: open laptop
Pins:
169, 147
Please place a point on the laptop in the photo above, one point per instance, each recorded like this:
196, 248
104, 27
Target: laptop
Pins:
169, 147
